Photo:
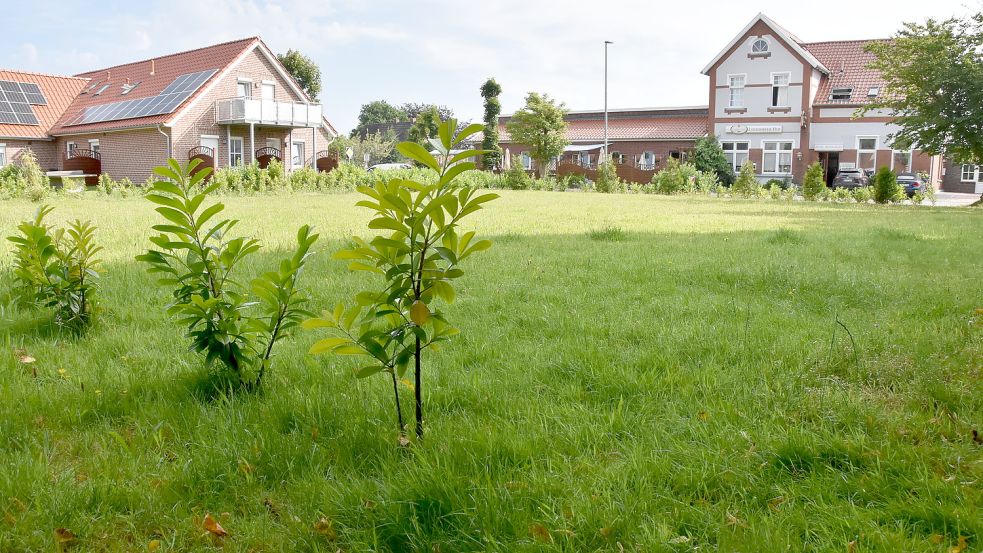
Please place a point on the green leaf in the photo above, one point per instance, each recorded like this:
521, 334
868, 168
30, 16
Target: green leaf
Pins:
327, 344
368, 371
418, 153
468, 131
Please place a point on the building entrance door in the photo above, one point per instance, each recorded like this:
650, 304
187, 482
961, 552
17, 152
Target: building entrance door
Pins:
831, 165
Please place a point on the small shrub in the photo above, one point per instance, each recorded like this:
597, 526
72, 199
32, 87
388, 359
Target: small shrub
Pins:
674, 178
886, 187
774, 190
516, 178
36, 183
197, 258
57, 268
575, 181
747, 184
928, 189
608, 234
608, 180
707, 182
917, 198
814, 182
841, 195
862, 194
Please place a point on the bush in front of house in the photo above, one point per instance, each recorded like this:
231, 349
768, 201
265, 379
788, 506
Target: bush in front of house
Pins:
886, 187
608, 181
862, 195
674, 178
747, 184
707, 182
814, 184
515, 177
709, 156
24, 179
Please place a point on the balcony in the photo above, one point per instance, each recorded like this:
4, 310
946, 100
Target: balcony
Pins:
234, 111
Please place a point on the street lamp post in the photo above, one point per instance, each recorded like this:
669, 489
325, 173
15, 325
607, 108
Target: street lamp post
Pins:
606, 43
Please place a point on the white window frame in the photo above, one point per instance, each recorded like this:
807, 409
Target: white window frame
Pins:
731, 89
241, 153
94, 145
274, 143
647, 160
761, 39
69, 146
249, 87
969, 173
262, 88
3, 154
526, 161
788, 82
873, 152
733, 152
303, 154
907, 168
778, 152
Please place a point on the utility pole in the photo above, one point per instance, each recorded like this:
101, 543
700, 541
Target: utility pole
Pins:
606, 43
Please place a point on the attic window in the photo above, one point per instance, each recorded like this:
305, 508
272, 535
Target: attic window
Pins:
873, 92
91, 87
841, 94
760, 46
101, 90
127, 87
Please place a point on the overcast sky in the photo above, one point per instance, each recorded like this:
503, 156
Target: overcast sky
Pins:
440, 51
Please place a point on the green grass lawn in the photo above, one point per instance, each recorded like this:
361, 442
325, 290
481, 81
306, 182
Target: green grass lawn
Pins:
634, 373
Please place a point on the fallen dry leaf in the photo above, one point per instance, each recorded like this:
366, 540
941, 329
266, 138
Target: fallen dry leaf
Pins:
154, 545
605, 532
212, 526
775, 503
540, 533
369, 504
64, 536
679, 539
404, 441
326, 529
960, 546
26, 359
851, 546
937, 539
703, 415
733, 520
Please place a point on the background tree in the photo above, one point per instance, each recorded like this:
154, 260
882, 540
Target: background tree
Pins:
934, 75
413, 110
425, 126
490, 92
381, 147
814, 183
377, 113
540, 125
710, 157
304, 70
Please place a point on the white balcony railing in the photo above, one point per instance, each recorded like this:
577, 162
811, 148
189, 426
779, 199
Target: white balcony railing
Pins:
268, 112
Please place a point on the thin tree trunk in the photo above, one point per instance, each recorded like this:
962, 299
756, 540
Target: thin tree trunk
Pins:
399, 409
418, 391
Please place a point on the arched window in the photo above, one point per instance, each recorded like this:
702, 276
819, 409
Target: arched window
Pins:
759, 46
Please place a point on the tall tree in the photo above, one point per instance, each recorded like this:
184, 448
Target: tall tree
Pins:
414, 110
709, 156
304, 71
934, 75
425, 126
540, 125
490, 92
377, 113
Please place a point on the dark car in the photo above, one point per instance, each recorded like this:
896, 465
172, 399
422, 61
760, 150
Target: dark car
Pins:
912, 183
850, 178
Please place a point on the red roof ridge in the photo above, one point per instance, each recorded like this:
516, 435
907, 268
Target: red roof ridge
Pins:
851, 41
40, 74
171, 55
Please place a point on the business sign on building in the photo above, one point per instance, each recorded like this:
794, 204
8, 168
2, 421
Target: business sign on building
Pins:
754, 129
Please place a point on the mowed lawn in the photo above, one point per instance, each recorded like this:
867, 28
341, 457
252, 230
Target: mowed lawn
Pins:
634, 373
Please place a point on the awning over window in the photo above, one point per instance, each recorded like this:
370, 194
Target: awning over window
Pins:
583, 148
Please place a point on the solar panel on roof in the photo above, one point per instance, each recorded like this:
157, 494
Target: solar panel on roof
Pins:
16, 100
166, 102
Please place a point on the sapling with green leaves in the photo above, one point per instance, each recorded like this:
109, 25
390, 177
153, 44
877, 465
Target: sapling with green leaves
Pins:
418, 255
235, 326
57, 267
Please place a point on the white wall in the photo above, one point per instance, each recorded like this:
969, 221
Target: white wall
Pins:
790, 131
757, 100
846, 134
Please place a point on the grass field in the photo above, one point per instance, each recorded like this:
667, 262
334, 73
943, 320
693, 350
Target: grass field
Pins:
634, 373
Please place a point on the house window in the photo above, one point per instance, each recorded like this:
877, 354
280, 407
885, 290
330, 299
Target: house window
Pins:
273, 143
778, 157
101, 90
867, 153
647, 161
526, 160
618, 157
968, 173
736, 153
736, 90
841, 94
69, 148
244, 89
3, 155
94, 145
235, 151
901, 161
297, 155
873, 92
779, 89
760, 46
268, 91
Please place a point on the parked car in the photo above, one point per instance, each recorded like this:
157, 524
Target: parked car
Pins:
850, 178
911, 182
389, 166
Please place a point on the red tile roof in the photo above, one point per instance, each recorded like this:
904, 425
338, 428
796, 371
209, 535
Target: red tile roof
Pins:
666, 127
166, 69
59, 93
847, 62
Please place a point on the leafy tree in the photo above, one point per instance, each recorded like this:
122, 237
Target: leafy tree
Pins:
197, 256
380, 147
540, 125
419, 255
303, 70
709, 156
377, 113
413, 111
886, 187
747, 184
814, 182
490, 92
934, 74
425, 126
607, 178
57, 268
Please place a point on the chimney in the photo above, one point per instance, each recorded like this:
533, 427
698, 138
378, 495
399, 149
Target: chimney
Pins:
108, 75
152, 66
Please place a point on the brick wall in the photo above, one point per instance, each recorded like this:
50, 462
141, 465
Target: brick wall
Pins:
952, 181
44, 151
630, 149
131, 154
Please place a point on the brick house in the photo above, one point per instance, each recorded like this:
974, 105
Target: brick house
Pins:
228, 104
643, 137
784, 104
